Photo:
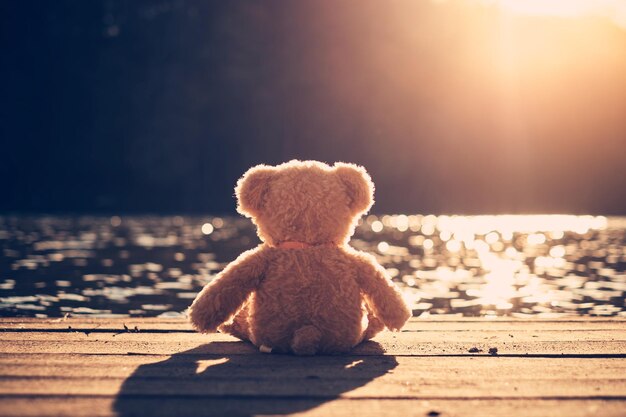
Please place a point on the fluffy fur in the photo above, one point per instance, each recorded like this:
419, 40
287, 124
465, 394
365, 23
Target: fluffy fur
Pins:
317, 295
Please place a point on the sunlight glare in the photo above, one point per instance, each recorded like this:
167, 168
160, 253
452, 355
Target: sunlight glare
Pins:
207, 228
493, 242
614, 10
377, 226
203, 364
500, 286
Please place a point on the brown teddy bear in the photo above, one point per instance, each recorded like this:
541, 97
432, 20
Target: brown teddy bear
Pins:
303, 290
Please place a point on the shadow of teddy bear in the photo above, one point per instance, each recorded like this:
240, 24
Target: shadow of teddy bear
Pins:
202, 382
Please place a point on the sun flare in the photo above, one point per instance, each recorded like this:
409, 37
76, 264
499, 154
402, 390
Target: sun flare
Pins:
613, 9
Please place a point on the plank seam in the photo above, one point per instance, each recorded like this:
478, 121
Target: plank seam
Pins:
444, 355
328, 397
173, 331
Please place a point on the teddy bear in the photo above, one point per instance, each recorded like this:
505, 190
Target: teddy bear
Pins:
303, 290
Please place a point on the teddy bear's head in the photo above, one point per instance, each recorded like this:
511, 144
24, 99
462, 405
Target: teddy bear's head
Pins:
305, 201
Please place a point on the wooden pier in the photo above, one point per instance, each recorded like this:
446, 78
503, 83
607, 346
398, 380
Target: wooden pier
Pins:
84, 366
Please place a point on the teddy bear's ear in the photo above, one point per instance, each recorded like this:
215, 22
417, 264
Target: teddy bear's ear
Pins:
251, 189
358, 184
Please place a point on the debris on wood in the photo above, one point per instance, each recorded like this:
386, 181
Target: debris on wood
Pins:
474, 350
128, 330
64, 318
493, 351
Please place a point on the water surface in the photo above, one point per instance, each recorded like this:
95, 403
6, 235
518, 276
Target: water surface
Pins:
538, 266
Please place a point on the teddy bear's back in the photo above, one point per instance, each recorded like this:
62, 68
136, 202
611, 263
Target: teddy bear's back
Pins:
313, 286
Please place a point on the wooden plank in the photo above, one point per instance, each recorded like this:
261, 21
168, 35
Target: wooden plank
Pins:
414, 324
478, 336
329, 367
197, 407
389, 344
320, 377
399, 387
575, 367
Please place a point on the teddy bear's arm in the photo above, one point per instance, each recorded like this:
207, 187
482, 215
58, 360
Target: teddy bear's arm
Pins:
381, 294
221, 299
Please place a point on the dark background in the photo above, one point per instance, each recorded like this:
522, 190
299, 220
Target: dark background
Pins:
135, 106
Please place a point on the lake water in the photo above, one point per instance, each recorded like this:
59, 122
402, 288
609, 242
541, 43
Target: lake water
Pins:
521, 266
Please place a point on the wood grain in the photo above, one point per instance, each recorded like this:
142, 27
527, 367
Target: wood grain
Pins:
103, 367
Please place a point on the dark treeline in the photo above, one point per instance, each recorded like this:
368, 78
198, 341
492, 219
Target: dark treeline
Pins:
148, 106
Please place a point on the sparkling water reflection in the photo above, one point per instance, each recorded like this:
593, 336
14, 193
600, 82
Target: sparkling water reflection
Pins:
474, 266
